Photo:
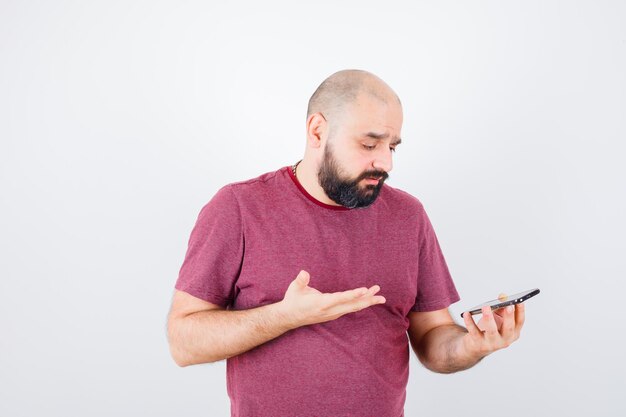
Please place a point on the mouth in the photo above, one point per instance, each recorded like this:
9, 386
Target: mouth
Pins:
372, 180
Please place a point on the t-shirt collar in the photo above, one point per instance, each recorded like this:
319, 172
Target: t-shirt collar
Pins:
310, 197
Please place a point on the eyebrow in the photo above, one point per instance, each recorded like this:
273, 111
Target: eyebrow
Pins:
380, 136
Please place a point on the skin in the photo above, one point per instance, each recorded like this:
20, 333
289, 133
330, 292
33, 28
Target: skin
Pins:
202, 332
355, 151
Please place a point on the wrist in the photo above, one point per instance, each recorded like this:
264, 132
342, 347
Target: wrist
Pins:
283, 316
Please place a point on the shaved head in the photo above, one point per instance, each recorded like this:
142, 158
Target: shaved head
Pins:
342, 89
353, 126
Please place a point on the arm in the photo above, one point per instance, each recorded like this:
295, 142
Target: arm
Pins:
443, 346
202, 332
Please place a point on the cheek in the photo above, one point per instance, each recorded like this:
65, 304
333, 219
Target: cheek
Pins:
366, 158
353, 158
360, 163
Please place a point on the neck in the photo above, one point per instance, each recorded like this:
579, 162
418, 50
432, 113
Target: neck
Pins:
306, 173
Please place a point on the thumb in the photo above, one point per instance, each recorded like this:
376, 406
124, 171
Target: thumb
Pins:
303, 279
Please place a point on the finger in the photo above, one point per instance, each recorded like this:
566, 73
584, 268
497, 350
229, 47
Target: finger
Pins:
359, 304
471, 326
367, 301
502, 296
377, 299
371, 291
370, 301
508, 323
488, 322
520, 316
347, 296
498, 317
303, 279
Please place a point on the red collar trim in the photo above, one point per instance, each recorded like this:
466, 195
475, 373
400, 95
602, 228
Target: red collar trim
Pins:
310, 197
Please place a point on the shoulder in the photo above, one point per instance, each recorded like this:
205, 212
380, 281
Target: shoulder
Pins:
260, 181
400, 201
253, 189
231, 199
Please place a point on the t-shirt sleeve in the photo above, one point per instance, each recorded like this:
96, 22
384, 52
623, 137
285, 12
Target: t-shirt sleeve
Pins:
435, 288
215, 251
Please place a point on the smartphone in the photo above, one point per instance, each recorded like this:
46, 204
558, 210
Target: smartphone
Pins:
499, 303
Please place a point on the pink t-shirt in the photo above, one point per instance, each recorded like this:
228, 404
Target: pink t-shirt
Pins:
251, 240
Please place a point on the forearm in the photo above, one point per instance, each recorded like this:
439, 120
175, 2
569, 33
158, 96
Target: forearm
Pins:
210, 336
443, 350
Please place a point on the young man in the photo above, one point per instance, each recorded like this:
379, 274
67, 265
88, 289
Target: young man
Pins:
367, 268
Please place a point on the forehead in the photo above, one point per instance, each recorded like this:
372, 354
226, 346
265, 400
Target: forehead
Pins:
368, 113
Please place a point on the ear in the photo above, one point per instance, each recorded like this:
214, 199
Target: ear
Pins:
316, 129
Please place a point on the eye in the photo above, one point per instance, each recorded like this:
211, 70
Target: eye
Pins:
369, 147
393, 148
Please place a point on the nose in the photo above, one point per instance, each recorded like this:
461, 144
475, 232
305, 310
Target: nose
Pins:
383, 160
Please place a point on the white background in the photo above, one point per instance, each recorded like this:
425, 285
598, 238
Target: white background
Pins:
119, 120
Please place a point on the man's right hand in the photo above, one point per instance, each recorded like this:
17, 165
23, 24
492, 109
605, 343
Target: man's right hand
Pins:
303, 305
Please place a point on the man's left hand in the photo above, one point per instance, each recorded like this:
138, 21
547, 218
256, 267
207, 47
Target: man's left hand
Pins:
495, 330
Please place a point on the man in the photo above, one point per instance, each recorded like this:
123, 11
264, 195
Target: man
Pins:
367, 266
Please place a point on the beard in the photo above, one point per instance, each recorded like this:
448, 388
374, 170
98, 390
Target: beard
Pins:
347, 192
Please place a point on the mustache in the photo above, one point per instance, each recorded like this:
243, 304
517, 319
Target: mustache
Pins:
382, 175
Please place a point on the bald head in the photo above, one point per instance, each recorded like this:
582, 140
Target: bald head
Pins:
343, 88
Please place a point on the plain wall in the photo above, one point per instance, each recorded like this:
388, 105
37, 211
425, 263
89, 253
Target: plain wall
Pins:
119, 120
